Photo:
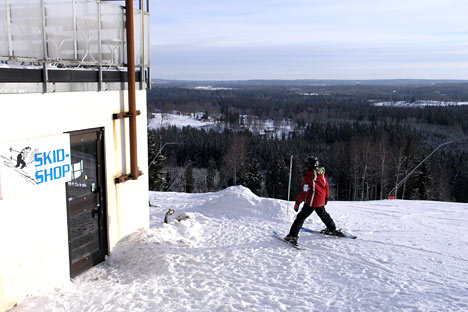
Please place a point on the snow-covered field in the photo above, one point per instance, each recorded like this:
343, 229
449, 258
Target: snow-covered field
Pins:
422, 103
266, 127
178, 120
210, 88
409, 256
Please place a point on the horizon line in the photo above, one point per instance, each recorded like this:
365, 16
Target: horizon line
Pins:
315, 79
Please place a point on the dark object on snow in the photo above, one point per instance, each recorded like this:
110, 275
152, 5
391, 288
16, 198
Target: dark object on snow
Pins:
182, 217
287, 242
338, 233
168, 213
291, 239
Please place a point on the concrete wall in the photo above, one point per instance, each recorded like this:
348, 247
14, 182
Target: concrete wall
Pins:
33, 226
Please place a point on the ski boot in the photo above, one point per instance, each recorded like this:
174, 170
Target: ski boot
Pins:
291, 239
334, 232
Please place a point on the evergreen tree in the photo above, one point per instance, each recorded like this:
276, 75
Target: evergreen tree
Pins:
460, 178
156, 165
277, 178
421, 185
252, 178
157, 179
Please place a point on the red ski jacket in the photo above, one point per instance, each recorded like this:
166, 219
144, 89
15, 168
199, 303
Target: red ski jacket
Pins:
314, 189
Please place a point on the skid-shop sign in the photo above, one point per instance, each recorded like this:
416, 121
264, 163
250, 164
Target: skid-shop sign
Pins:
25, 165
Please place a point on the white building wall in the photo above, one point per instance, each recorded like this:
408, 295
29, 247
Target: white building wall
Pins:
33, 226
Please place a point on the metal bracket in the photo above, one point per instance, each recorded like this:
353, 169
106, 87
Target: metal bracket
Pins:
127, 177
124, 115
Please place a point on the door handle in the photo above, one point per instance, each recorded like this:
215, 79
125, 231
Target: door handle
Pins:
95, 211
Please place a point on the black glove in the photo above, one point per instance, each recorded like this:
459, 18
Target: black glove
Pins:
326, 201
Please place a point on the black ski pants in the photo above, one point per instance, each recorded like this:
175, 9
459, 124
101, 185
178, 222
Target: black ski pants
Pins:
306, 211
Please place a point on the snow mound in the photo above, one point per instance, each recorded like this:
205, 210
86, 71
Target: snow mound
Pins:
239, 202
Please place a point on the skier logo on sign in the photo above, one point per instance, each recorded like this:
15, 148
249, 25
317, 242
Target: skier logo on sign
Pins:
20, 159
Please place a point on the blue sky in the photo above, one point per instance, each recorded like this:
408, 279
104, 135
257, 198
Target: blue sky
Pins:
309, 39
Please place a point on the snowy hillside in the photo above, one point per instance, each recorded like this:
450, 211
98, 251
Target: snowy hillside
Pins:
409, 256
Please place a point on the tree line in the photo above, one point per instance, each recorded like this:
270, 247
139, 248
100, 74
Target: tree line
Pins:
362, 161
366, 150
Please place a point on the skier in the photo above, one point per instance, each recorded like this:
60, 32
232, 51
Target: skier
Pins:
315, 194
21, 157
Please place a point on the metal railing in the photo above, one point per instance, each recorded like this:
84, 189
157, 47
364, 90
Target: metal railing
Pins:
72, 33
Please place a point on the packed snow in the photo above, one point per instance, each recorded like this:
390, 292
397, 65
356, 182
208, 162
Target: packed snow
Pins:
409, 256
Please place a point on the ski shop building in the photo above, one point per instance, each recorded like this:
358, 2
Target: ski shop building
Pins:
73, 137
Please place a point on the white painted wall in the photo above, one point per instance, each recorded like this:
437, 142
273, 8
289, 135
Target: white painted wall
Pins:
33, 226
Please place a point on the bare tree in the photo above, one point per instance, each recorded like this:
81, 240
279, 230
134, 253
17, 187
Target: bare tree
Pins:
398, 160
235, 158
383, 152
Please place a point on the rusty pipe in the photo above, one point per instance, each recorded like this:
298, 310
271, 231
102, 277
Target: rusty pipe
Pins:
131, 88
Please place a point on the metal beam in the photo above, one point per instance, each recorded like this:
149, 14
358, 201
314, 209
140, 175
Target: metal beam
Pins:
45, 75
100, 46
9, 36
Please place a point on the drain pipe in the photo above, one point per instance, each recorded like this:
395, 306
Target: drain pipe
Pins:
131, 88
132, 113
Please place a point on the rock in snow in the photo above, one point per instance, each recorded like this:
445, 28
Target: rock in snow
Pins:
409, 256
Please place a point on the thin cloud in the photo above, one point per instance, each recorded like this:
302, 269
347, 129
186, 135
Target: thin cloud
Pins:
202, 33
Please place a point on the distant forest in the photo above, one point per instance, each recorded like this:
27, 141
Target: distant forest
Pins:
366, 150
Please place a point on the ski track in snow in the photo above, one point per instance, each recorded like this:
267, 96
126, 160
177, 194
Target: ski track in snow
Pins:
409, 256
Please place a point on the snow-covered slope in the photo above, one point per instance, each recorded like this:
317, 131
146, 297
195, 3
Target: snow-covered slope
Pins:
409, 256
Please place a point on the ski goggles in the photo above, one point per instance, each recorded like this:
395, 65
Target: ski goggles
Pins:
321, 170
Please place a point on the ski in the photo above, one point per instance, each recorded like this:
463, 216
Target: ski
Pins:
23, 174
283, 240
337, 233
